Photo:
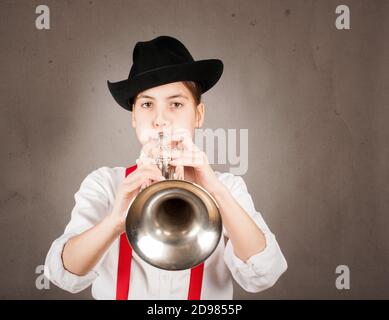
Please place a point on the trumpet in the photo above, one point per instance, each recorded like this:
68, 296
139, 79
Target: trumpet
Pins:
173, 224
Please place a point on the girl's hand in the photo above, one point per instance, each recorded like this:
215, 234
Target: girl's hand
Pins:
188, 154
129, 188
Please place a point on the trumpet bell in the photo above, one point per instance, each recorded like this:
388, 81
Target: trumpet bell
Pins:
173, 224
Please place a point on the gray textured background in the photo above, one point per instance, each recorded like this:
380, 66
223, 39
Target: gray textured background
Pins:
315, 101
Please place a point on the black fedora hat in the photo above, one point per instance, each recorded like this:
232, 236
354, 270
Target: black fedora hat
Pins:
160, 61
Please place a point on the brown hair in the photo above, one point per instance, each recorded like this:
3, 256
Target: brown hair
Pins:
192, 86
195, 90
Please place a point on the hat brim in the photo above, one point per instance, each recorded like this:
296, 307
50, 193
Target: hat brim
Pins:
205, 72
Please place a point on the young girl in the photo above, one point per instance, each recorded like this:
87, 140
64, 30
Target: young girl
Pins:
163, 92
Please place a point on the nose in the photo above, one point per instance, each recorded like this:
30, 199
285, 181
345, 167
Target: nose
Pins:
160, 121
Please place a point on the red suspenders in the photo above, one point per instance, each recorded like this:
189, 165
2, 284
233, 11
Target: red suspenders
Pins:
124, 268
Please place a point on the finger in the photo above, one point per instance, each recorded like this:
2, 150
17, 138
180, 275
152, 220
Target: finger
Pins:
185, 143
145, 161
143, 186
152, 175
171, 153
149, 150
179, 172
147, 165
180, 134
181, 131
188, 162
128, 190
150, 167
142, 183
148, 181
147, 171
186, 154
148, 134
196, 157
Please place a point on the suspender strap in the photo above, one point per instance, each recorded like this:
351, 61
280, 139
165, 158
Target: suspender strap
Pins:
124, 262
196, 281
124, 268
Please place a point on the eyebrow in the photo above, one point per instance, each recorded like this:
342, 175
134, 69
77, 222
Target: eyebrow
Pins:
171, 97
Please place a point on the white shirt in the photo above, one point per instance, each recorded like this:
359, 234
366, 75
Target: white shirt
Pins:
94, 200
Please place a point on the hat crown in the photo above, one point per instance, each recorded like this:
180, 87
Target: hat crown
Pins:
156, 53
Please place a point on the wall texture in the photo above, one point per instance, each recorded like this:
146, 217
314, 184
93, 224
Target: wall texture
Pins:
314, 98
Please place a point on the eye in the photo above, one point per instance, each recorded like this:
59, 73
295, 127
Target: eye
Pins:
177, 105
146, 105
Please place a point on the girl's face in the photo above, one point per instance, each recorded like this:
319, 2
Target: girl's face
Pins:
167, 107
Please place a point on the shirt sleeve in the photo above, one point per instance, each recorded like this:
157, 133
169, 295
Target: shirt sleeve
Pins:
91, 206
262, 270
